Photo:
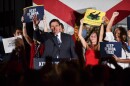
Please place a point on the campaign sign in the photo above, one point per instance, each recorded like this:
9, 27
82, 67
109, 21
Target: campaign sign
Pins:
93, 17
10, 43
29, 12
107, 49
38, 63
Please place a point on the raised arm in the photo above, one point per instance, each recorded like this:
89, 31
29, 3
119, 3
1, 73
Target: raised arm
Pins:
37, 36
84, 43
45, 24
109, 26
27, 38
104, 21
102, 29
101, 35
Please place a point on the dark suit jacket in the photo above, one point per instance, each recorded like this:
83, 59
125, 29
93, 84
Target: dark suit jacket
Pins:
65, 51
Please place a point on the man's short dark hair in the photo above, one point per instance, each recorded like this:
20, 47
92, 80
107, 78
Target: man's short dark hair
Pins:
16, 28
54, 20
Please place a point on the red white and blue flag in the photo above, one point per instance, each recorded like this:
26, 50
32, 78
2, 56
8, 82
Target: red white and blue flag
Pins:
67, 11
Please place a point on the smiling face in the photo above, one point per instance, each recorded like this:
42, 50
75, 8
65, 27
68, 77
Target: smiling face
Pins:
120, 34
117, 34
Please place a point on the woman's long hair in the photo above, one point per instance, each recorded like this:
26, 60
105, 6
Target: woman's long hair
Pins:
94, 30
123, 34
123, 37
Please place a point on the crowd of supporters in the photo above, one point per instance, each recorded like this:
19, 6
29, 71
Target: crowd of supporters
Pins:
88, 69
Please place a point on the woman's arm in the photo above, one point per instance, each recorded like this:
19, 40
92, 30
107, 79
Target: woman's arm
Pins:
109, 35
27, 38
104, 20
121, 60
101, 35
84, 43
109, 26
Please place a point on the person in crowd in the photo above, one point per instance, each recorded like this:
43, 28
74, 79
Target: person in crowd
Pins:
37, 48
1, 50
120, 35
85, 30
58, 45
62, 27
4, 56
16, 65
92, 45
128, 39
17, 32
75, 35
78, 46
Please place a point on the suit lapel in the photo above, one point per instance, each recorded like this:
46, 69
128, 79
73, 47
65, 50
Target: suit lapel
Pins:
62, 39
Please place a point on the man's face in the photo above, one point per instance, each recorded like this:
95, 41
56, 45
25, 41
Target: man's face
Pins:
18, 33
55, 27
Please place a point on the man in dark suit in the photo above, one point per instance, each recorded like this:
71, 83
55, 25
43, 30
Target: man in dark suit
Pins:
58, 45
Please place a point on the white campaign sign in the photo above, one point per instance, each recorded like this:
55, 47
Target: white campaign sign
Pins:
9, 43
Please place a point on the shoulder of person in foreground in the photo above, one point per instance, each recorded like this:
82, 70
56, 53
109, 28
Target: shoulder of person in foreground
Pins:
66, 35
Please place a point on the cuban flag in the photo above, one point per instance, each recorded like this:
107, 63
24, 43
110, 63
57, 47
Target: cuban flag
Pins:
69, 11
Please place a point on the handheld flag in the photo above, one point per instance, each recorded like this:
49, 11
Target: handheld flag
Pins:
93, 17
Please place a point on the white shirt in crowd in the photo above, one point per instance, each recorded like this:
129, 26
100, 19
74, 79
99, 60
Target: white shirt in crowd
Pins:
125, 54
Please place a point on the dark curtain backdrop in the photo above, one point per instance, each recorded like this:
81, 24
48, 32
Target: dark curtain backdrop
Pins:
10, 15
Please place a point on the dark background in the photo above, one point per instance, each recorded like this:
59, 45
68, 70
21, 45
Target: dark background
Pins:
10, 15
